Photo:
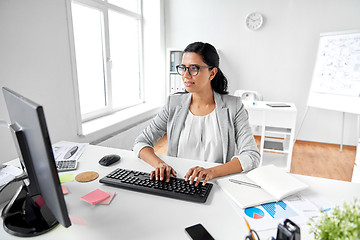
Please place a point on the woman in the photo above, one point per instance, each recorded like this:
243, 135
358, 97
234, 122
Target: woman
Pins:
204, 123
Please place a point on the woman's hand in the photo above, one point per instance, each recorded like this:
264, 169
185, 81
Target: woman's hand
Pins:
162, 169
200, 173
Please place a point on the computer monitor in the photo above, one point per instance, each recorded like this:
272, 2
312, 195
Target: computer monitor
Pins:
39, 205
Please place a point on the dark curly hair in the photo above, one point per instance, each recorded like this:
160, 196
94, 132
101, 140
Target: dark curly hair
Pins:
210, 56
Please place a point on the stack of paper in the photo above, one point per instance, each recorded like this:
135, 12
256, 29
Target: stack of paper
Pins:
8, 173
61, 151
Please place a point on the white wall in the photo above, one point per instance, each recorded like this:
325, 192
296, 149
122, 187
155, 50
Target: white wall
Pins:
278, 59
124, 139
35, 62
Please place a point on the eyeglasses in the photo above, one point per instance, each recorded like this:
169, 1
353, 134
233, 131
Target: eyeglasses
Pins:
192, 69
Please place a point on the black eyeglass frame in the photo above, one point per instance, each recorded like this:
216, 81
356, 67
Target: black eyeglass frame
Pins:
188, 69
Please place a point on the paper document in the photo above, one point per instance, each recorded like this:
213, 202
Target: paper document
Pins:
322, 203
8, 173
68, 151
269, 215
275, 185
297, 208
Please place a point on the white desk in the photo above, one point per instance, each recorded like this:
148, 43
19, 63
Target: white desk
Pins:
133, 215
277, 128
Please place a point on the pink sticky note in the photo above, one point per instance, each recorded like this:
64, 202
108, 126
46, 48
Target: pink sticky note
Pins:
64, 190
78, 220
95, 196
108, 200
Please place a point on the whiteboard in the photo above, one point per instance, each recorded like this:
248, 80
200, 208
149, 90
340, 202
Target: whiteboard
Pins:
336, 78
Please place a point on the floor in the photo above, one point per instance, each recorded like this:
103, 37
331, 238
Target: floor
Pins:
310, 158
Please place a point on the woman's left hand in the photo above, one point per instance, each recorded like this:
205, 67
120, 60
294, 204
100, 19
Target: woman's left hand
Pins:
199, 173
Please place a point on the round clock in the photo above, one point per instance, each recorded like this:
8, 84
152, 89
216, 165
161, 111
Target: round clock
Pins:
254, 21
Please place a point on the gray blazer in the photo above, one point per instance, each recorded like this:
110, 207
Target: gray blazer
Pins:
236, 135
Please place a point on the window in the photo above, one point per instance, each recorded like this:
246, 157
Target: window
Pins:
108, 55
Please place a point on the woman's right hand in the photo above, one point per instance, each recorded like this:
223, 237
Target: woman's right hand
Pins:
162, 170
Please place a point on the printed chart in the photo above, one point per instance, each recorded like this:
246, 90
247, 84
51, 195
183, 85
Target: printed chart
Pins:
279, 210
269, 215
254, 212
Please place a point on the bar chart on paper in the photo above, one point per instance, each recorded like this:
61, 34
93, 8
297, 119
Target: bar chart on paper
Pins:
269, 215
279, 210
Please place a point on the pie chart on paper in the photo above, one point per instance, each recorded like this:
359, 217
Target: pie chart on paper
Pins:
254, 212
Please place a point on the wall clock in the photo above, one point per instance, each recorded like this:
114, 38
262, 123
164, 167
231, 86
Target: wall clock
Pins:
254, 21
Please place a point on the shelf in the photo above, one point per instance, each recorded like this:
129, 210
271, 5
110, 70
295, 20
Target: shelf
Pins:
175, 59
276, 146
278, 130
271, 145
174, 82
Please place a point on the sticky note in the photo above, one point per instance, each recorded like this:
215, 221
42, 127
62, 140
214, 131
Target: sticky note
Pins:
78, 220
108, 200
66, 178
95, 196
64, 190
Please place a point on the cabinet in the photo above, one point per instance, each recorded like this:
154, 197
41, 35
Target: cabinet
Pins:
277, 130
174, 81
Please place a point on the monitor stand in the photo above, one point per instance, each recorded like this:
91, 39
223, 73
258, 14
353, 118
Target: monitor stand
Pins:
26, 216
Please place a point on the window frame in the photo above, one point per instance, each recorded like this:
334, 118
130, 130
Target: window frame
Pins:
104, 7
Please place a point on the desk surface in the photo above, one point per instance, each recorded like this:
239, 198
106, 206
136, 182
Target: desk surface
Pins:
133, 215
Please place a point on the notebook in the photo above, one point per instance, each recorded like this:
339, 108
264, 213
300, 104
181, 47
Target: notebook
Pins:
275, 185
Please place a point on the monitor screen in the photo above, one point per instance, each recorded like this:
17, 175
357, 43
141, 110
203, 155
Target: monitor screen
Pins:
42, 194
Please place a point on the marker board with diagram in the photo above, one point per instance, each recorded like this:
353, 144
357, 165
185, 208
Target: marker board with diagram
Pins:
336, 78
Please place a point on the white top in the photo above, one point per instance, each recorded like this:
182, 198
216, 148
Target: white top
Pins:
200, 139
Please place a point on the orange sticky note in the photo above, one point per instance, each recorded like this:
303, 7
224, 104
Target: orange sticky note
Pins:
64, 190
95, 196
108, 200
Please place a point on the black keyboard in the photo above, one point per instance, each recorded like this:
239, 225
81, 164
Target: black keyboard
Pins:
175, 188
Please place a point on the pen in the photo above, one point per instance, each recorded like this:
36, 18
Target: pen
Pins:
244, 183
248, 226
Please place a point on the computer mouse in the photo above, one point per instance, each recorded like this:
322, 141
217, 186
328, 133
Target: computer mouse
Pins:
109, 159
